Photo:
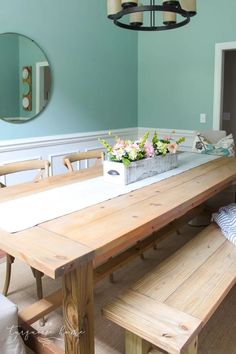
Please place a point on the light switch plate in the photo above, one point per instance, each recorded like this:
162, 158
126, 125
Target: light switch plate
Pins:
203, 118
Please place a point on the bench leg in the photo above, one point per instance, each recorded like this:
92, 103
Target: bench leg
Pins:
192, 349
135, 344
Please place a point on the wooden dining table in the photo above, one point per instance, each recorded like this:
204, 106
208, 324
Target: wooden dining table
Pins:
86, 245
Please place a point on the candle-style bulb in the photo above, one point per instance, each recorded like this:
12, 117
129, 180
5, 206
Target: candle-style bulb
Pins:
190, 6
136, 18
169, 18
113, 6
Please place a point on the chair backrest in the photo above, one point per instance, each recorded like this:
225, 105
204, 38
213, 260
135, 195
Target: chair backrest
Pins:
88, 155
13, 167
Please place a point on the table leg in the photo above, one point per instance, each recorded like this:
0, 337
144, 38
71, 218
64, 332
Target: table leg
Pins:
77, 288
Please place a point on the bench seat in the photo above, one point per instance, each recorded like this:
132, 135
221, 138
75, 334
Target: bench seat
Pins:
170, 305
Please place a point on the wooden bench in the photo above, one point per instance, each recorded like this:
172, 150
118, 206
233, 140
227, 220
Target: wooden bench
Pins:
169, 306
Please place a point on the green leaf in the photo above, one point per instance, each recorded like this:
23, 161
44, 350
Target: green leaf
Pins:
144, 139
154, 139
181, 140
126, 162
105, 144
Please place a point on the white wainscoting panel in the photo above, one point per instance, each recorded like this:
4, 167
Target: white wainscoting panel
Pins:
54, 148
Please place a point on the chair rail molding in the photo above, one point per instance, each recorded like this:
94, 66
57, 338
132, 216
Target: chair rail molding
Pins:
45, 141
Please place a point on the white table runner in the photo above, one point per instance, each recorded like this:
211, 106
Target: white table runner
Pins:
26, 212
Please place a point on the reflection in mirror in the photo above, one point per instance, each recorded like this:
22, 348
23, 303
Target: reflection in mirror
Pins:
25, 78
25, 88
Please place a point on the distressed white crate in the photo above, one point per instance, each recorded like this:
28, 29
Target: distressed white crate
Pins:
117, 173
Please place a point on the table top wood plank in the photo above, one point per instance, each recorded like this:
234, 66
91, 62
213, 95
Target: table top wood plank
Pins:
148, 214
46, 251
109, 207
56, 246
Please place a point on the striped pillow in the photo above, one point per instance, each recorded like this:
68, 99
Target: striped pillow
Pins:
226, 220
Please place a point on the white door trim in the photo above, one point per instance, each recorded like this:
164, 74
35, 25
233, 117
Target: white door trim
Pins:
37, 92
218, 81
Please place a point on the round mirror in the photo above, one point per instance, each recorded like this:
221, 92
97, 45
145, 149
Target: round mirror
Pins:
25, 78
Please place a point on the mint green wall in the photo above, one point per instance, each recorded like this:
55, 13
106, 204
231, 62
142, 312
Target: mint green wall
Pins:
9, 80
29, 55
94, 66
176, 68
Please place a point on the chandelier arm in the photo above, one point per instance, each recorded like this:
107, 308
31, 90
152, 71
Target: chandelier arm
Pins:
151, 24
152, 8
154, 15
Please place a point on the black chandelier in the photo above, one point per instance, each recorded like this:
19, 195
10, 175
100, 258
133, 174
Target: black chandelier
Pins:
129, 14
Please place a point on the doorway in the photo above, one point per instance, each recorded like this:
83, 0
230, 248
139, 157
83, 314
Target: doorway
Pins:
43, 84
228, 118
224, 116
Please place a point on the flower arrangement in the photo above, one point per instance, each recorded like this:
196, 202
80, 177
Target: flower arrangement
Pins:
127, 151
165, 145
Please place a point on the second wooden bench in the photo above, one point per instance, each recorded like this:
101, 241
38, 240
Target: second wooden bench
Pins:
170, 305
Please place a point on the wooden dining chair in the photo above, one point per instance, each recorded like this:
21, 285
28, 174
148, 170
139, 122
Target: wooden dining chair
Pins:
96, 155
42, 168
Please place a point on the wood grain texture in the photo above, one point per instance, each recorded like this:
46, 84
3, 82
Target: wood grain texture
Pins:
142, 212
117, 261
156, 351
156, 322
48, 252
135, 344
175, 270
37, 310
77, 288
37, 342
201, 294
64, 244
192, 348
193, 281
40, 308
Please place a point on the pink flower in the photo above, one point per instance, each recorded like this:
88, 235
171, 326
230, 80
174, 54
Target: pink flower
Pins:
172, 148
120, 144
168, 138
148, 148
